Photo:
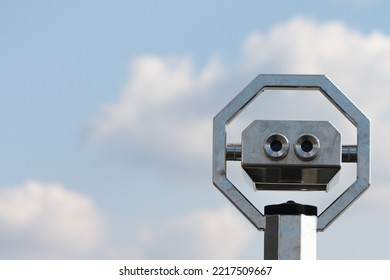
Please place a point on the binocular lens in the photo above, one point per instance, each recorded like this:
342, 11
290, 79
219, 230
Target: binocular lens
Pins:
276, 146
307, 147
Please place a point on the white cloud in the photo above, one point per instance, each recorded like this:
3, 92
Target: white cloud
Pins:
203, 234
161, 114
149, 110
39, 220
357, 62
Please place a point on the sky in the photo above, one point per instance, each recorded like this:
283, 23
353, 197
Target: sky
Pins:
106, 112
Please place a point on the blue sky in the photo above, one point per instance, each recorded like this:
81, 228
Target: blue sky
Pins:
106, 114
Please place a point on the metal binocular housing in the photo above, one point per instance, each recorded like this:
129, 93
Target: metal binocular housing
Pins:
291, 155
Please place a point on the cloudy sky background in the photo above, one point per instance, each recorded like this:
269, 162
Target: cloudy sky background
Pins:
106, 117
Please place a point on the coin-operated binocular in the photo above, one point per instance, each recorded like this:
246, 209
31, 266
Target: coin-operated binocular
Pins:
291, 156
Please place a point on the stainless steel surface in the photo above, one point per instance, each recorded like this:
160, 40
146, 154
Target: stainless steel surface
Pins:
290, 237
348, 153
291, 82
286, 169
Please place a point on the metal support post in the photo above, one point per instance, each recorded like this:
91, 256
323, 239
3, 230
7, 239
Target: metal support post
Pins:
290, 232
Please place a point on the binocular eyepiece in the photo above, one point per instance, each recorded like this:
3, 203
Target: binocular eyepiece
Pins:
287, 155
276, 146
306, 147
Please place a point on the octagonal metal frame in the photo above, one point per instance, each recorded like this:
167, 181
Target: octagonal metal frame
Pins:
291, 82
